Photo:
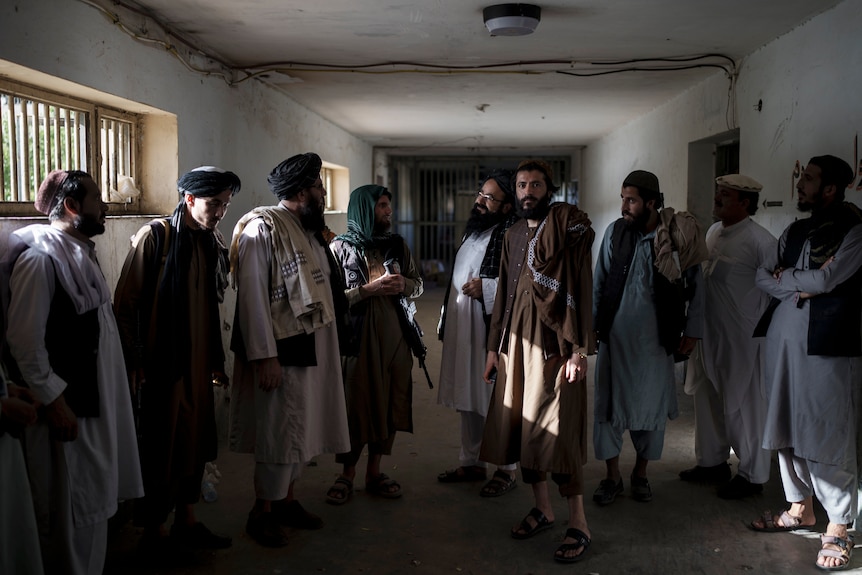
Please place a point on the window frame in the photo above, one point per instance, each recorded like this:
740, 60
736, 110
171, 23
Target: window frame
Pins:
94, 160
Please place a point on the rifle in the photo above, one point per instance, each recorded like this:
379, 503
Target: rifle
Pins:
413, 333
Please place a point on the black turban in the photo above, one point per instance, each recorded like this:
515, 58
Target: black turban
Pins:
208, 181
294, 174
504, 181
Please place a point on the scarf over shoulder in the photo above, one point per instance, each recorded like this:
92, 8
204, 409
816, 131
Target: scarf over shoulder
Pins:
678, 232
300, 302
560, 262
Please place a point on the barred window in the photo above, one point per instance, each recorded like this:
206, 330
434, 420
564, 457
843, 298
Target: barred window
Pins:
41, 131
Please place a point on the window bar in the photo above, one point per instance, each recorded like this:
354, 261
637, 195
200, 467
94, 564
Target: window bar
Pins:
37, 149
80, 123
13, 148
25, 150
2, 148
58, 158
67, 140
115, 156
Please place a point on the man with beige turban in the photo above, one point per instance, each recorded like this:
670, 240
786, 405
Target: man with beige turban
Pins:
724, 375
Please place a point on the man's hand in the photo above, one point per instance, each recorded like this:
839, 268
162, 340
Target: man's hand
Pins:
490, 367
473, 288
806, 295
686, 345
576, 368
389, 284
62, 422
268, 373
18, 411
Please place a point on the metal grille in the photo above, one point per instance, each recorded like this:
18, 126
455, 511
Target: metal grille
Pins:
433, 197
41, 131
37, 137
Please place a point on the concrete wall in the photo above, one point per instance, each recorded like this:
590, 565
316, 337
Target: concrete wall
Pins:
809, 89
247, 128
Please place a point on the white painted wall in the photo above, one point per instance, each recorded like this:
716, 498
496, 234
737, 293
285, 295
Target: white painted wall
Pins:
809, 83
247, 129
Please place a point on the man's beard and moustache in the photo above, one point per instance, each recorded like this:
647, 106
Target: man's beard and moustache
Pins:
537, 212
311, 217
89, 225
480, 221
808, 206
640, 221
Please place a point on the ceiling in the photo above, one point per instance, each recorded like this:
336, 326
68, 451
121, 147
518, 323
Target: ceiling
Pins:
485, 93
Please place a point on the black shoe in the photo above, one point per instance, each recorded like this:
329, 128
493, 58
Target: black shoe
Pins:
265, 529
198, 536
739, 487
292, 514
641, 491
715, 474
607, 491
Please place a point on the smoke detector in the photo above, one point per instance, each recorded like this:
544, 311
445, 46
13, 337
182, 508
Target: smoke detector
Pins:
512, 19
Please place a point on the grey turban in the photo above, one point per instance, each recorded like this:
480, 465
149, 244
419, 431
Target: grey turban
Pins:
294, 174
208, 181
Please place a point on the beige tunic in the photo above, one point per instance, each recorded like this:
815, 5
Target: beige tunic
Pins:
305, 415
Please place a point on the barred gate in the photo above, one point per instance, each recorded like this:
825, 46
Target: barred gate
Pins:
432, 198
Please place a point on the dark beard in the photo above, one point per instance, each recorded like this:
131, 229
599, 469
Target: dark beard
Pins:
537, 212
480, 222
311, 218
640, 222
89, 225
804, 206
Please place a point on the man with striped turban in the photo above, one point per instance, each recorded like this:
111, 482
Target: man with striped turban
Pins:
166, 302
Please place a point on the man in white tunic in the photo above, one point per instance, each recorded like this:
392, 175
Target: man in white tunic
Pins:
463, 328
82, 454
813, 349
287, 403
724, 375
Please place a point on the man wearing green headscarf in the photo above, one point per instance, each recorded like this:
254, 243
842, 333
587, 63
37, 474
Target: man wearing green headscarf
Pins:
378, 269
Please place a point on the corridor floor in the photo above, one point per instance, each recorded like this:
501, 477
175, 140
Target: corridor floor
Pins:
447, 528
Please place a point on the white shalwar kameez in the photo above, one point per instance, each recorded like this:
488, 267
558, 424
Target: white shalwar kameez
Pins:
730, 402
305, 415
813, 399
76, 485
463, 356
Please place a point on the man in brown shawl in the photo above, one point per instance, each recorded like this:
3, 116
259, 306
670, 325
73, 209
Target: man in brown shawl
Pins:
166, 303
541, 332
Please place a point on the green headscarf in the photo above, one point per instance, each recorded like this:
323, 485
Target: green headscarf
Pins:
360, 215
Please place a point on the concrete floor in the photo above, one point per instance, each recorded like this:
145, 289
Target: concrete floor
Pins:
447, 528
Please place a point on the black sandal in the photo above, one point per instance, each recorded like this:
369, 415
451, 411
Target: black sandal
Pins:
500, 484
582, 541
542, 523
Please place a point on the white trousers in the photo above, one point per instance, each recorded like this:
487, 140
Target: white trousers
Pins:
716, 432
272, 480
834, 486
472, 428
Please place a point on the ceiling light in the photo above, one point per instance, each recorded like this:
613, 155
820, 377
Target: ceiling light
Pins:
511, 19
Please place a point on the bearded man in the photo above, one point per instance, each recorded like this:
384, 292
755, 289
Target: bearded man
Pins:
378, 269
648, 306
463, 328
287, 402
814, 359
82, 454
540, 335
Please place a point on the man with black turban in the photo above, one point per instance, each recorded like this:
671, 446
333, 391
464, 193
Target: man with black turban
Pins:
378, 268
463, 328
287, 402
166, 302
